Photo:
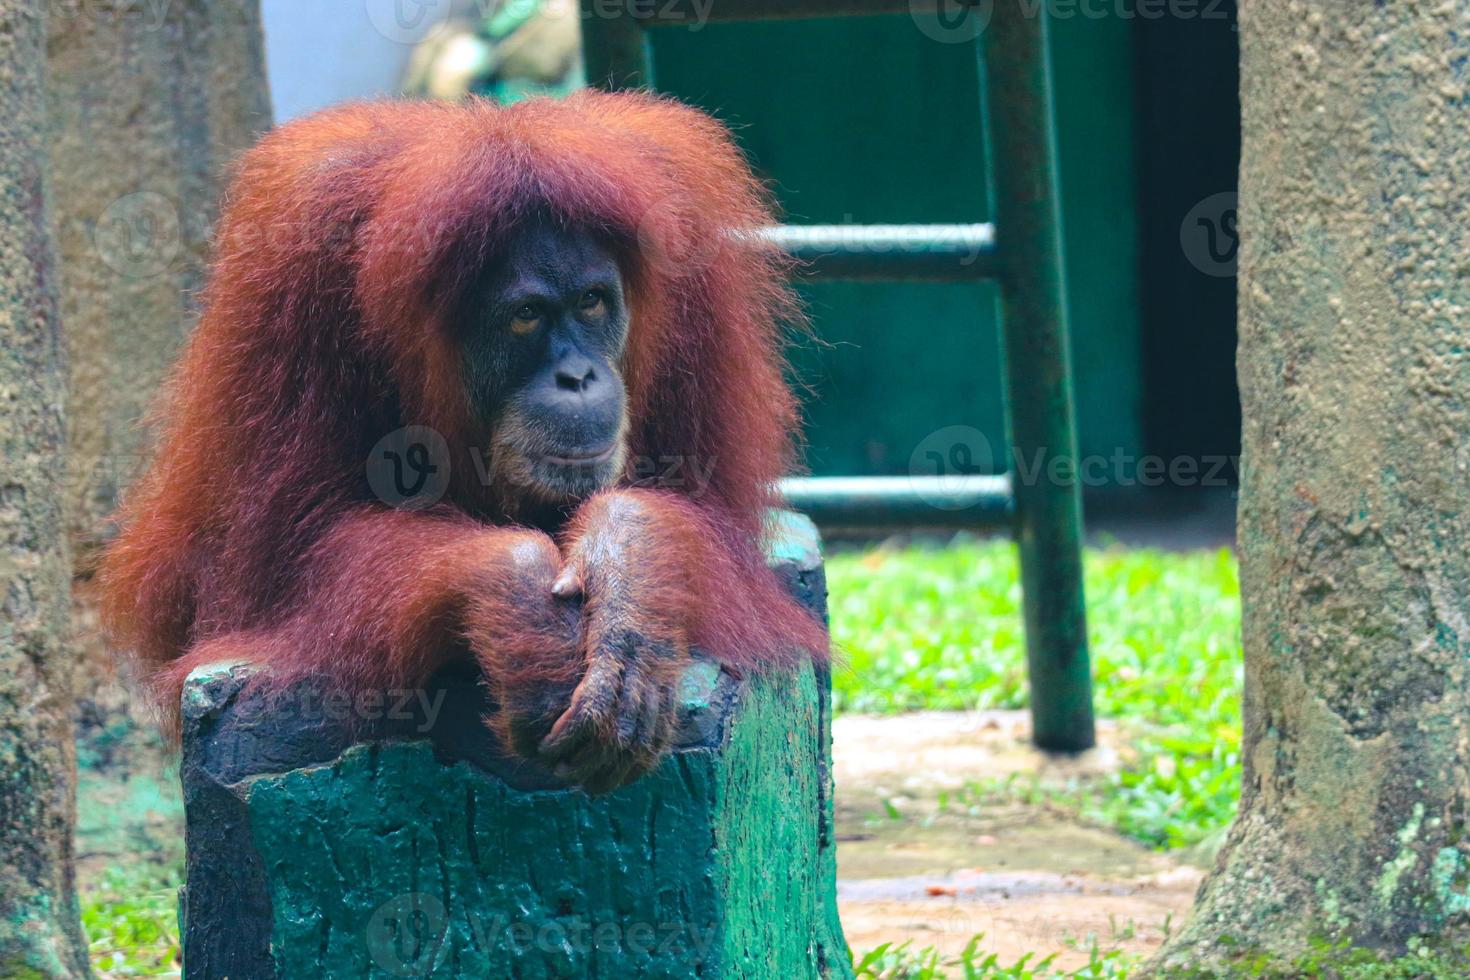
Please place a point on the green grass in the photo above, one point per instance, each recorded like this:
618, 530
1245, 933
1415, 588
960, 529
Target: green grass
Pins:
902, 962
940, 628
131, 919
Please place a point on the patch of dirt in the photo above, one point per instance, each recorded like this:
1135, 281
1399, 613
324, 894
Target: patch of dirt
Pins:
929, 750
1030, 879
1035, 913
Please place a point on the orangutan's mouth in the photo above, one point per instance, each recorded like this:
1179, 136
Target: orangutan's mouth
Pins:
582, 459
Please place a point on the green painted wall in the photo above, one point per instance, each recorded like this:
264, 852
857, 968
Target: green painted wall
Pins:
869, 120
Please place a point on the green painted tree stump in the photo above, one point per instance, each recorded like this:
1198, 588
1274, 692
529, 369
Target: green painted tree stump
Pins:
392, 838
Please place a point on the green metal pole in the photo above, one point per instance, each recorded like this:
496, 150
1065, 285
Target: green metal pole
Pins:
889, 253
614, 46
1017, 102
873, 503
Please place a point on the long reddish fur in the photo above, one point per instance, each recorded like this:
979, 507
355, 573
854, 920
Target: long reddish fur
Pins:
347, 240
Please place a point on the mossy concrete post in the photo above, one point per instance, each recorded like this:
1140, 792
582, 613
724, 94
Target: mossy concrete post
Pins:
1351, 842
417, 849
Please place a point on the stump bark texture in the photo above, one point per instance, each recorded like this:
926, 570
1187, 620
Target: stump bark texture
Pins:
417, 849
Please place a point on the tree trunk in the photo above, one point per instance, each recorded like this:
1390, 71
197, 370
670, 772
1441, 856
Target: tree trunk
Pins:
1354, 526
149, 103
40, 931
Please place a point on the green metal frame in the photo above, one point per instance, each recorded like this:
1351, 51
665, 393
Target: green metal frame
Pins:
1023, 251
891, 253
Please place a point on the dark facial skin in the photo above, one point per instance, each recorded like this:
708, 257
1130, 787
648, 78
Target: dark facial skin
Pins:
541, 348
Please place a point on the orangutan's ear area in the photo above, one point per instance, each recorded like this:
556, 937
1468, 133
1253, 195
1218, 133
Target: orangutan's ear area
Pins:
558, 289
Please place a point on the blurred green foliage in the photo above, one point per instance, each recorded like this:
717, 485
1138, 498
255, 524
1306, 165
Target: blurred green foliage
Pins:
131, 919
903, 962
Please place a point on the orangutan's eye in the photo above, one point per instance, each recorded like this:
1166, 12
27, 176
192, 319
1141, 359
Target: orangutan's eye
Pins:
593, 302
525, 320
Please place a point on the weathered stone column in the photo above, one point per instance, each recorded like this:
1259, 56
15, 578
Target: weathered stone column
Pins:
416, 849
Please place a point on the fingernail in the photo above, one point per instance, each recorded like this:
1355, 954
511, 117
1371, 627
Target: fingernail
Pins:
566, 585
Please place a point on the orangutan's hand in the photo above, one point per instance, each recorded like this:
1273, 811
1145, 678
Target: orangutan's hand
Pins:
624, 711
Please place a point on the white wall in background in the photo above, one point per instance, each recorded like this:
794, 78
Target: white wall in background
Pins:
323, 51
